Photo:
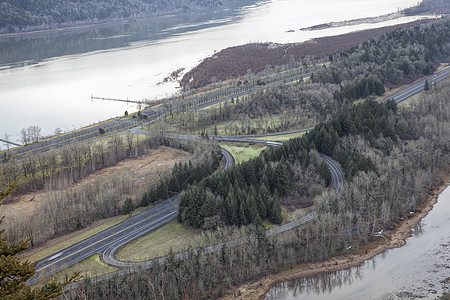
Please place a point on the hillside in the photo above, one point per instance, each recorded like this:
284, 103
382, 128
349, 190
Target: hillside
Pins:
440, 7
30, 15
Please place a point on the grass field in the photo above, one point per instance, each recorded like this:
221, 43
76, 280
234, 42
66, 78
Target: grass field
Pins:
281, 138
158, 243
243, 151
90, 267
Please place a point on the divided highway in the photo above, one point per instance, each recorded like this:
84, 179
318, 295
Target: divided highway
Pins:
133, 227
418, 87
190, 102
109, 241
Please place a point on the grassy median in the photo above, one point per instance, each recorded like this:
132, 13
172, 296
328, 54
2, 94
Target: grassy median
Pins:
158, 243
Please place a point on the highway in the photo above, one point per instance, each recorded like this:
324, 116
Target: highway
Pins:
308, 217
183, 103
108, 255
191, 102
337, 177
135, 226
109, 241
418, 87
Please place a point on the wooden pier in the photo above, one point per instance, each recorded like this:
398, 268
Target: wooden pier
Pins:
119, 100
8, 142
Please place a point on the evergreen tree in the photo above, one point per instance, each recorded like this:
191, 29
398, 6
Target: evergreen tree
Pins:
264, 199
274, 214
145, 199
127, 207
426, 86
324, 173
253, 214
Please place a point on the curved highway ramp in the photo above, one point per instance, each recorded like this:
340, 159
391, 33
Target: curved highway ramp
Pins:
110, 240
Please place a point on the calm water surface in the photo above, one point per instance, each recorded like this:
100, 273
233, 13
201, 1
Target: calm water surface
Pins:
419, 270
47, 79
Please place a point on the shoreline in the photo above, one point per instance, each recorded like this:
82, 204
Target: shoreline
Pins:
351, 22
256, 56
86, 25
34, 29
396, 238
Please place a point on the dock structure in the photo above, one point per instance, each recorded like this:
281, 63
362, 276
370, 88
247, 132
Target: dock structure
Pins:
8, 142
119, 100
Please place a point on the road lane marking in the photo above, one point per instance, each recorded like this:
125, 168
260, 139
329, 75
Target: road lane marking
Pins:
99, 241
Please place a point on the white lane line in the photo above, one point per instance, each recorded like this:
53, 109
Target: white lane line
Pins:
102, 240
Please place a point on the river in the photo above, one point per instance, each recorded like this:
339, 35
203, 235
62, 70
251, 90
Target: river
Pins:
419, 270
47, 79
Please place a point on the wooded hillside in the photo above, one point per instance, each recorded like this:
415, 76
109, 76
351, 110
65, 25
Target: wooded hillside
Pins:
430, 6
17, 15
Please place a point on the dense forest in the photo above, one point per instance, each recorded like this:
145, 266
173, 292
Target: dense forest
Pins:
401, 169
430, 6
20, 15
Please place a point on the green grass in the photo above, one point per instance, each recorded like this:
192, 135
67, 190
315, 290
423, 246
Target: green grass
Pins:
243, 151
80, 237
158, 243
281, 138
90, 267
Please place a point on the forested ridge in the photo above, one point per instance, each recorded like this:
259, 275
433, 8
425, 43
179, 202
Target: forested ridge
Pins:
19, 15
430, 6
250, 192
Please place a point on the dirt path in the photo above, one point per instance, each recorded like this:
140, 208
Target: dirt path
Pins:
395, 239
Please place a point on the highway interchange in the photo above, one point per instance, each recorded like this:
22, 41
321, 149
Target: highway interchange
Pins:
107, 242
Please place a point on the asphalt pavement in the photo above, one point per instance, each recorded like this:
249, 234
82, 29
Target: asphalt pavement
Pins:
110, 240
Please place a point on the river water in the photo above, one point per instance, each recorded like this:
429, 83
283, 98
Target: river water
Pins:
47, 79
419, 270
